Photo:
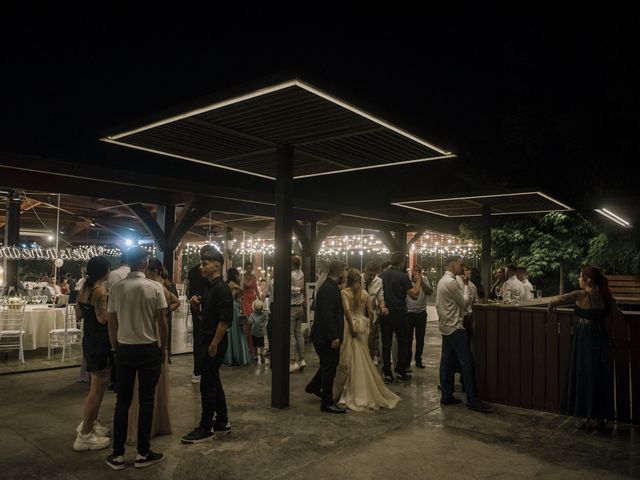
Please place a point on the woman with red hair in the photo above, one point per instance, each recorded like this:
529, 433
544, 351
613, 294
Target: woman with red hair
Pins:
589, 389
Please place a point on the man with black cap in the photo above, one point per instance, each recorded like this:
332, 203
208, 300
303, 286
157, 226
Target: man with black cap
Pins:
137, 311
215, 310
196, 287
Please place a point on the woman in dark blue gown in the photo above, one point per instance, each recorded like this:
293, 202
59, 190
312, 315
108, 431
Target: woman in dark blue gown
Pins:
238, 350
589, 389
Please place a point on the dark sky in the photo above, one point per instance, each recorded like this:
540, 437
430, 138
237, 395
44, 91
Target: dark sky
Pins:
523, 99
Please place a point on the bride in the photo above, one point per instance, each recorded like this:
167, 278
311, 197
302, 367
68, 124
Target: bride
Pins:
358, 383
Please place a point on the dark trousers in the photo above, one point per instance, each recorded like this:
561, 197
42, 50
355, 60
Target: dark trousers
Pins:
212, 395
197, 340
418, 324
395, 322
456, 347
323, 379
143, 360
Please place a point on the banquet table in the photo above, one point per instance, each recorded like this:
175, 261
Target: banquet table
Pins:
38, 321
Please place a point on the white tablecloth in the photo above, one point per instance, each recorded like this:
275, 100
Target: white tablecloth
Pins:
38, 321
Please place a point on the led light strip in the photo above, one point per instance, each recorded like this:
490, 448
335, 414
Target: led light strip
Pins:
612, 216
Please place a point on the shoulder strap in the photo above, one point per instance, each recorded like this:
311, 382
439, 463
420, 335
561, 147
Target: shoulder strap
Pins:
91, 293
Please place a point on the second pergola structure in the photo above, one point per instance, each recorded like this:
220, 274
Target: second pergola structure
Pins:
282, 132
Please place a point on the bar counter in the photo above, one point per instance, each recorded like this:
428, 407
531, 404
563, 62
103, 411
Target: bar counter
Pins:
522, 355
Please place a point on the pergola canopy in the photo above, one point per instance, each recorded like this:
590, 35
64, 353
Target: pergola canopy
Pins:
243, 133
501, 204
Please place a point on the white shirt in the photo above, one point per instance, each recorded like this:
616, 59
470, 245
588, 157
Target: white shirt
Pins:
135, 300
512, 286
116, 275
297, 287
528, 289
451, 303
473, 294
419, 304
375, 292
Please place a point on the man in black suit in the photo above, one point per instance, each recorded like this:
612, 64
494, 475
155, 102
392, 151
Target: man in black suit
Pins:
327, 334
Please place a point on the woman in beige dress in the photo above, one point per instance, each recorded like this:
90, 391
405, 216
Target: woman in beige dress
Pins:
161, 424
358, 384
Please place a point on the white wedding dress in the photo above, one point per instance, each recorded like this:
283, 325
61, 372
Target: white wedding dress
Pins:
358, 384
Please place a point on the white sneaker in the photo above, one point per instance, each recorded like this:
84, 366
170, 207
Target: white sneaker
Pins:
302, 364
195, 378
294, 367
99, 429
259, 360
90, 441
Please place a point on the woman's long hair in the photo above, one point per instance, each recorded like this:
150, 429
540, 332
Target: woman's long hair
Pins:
97, 268
233, 275
354, 283
155, 266
601, 283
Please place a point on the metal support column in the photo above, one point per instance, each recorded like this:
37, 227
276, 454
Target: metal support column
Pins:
12, 237
486, 267
166, 219
282, 277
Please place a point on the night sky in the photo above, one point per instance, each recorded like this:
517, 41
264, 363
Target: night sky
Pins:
546, 100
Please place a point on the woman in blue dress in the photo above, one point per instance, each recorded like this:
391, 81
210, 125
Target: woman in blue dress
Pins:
238, 350
589, 390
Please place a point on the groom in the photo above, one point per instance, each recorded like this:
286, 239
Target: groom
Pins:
327, 334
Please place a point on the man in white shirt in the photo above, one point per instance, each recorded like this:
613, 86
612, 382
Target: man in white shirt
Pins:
512, 288
119, 273
372, 284
452, 302
137, 311
521, 273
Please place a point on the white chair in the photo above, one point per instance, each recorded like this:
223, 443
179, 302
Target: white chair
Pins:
11, 331
64, 337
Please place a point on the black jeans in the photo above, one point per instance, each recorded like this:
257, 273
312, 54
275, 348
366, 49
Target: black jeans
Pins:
197, 340
212, 395
456, 347
395, 322
144, 360
323, 379
418, 323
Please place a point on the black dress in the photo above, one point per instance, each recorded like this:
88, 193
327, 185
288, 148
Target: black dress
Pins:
589, 389
95, 341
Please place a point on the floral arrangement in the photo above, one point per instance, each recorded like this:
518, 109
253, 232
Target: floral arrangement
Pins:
15, 303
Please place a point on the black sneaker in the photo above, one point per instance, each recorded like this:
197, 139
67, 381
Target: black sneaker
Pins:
222, 427
388, 379
450, 401
117, 463
147, 460
420, 365
480, 406
404, 378
198, 435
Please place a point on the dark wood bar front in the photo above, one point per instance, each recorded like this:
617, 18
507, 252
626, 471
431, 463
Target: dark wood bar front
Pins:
522, 356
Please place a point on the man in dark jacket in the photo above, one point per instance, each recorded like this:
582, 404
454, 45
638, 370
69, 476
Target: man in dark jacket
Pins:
327, 335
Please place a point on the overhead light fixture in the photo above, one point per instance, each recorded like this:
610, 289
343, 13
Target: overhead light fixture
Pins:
612, 216
128, 242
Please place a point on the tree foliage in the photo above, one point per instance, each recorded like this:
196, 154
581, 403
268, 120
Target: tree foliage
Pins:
558, 242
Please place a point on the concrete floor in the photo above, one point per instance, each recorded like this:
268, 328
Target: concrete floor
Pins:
419, 439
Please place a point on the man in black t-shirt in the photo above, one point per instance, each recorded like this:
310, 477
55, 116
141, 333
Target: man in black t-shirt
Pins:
215, 310
396, 286
197, 286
